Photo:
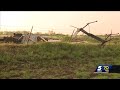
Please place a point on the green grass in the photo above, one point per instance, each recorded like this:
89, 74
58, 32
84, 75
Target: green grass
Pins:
56, 61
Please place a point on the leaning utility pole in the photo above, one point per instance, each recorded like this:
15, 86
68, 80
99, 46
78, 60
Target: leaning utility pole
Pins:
89, 34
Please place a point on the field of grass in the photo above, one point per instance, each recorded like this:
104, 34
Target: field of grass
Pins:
56, 61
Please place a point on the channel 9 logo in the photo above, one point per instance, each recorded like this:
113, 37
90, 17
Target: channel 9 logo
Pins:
103, 69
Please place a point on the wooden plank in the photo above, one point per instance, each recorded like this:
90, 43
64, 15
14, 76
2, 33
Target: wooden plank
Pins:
43, 39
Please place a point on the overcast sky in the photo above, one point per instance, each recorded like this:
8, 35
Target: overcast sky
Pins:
60, 21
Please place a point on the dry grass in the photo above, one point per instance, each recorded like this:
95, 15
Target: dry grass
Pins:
56, 60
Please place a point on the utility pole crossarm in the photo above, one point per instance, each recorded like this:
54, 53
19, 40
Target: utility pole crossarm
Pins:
88, 24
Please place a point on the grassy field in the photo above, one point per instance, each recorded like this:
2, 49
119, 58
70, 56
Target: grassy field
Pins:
56, 61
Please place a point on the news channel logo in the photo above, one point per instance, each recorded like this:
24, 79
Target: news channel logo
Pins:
103, 68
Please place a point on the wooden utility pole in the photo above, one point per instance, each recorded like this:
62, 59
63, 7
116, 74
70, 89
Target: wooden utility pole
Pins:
29, 35
91, 35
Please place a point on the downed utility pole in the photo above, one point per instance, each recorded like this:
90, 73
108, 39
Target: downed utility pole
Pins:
89, 34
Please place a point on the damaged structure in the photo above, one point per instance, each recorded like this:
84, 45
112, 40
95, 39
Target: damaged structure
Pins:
25, 39
28, 38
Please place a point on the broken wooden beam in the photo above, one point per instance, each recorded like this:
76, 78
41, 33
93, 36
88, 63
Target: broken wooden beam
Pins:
43, 39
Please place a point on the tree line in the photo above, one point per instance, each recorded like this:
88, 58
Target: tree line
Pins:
50, 32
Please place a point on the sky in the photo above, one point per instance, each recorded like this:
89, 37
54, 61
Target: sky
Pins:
60, 21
